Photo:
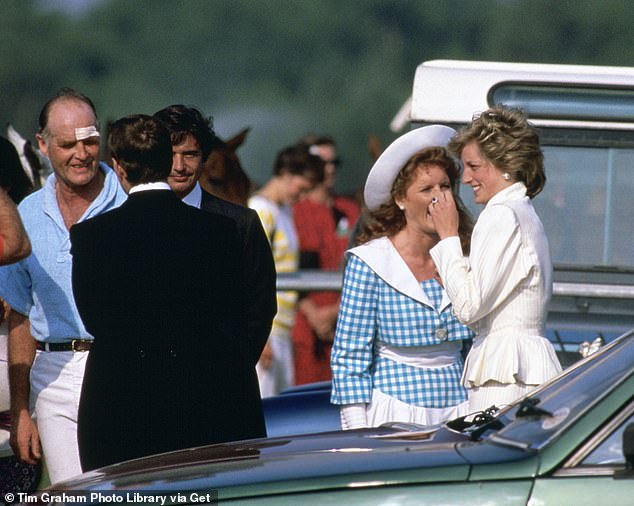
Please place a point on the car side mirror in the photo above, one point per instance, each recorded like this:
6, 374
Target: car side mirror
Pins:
588, 348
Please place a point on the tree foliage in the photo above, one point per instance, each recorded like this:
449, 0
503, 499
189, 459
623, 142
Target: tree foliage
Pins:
284, 67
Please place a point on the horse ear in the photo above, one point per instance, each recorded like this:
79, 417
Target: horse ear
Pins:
374, 146
237, 140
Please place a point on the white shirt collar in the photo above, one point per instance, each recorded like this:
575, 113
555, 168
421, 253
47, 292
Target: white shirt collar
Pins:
194, 197
157, 185
516, 191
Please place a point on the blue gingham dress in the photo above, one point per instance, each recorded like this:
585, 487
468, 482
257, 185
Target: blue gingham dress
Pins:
371, 310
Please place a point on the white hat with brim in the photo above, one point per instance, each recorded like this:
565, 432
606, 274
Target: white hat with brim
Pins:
379, 183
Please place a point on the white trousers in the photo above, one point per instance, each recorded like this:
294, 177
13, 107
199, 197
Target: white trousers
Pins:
5, 448
56, 379
281, 374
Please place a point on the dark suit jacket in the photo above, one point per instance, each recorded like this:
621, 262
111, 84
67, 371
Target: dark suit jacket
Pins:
258, 269
155, 284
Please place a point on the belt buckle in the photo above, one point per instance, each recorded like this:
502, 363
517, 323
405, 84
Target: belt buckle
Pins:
73, 343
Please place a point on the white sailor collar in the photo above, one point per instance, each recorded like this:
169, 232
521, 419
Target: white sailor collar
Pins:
383, 258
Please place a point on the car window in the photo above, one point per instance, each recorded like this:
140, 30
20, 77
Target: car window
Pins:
610, 451
586, 205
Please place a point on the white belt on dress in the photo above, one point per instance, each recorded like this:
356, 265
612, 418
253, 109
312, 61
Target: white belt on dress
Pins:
437, 355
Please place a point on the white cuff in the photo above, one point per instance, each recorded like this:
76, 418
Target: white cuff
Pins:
353, 416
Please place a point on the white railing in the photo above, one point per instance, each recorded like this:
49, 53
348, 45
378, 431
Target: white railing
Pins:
589, 308
311, 280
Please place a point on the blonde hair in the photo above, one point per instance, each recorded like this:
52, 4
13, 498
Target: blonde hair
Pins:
509, 142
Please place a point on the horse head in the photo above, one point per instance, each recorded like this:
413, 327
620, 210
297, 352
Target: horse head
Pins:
222, 173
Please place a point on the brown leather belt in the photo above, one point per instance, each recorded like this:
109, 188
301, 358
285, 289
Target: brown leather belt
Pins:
74, 345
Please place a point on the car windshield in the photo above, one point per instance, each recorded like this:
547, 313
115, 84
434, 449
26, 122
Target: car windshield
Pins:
553, 407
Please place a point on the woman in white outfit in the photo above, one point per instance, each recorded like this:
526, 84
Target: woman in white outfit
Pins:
397, 350
502, 289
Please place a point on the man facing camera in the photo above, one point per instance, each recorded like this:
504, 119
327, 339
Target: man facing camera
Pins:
48, 343
193, 140
154, 282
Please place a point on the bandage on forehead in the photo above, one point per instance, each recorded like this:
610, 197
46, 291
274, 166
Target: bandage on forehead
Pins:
86, 132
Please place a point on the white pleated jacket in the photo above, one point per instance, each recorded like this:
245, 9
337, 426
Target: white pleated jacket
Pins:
502, 291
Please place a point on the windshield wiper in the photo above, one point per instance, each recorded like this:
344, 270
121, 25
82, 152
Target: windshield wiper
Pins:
476, 424
528, 407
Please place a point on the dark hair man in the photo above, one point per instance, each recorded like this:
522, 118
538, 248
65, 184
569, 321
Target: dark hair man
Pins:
193, 139
169, 368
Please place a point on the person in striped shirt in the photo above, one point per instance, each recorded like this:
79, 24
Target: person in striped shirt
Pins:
295, 172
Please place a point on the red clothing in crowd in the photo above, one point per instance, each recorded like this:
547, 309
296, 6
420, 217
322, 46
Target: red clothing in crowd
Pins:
324, 235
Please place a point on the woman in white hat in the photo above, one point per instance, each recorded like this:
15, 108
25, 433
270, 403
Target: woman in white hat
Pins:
503, 287
397, 348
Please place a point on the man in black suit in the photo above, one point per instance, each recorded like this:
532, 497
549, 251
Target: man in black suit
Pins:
155, 284
193, 139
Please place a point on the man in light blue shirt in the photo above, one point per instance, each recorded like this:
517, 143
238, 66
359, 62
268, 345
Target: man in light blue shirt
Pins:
47, 340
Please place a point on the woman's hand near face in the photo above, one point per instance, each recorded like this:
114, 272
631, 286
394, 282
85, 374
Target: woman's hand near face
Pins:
444, 214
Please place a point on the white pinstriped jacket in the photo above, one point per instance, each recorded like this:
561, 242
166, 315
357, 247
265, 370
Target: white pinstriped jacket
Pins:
502, 291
